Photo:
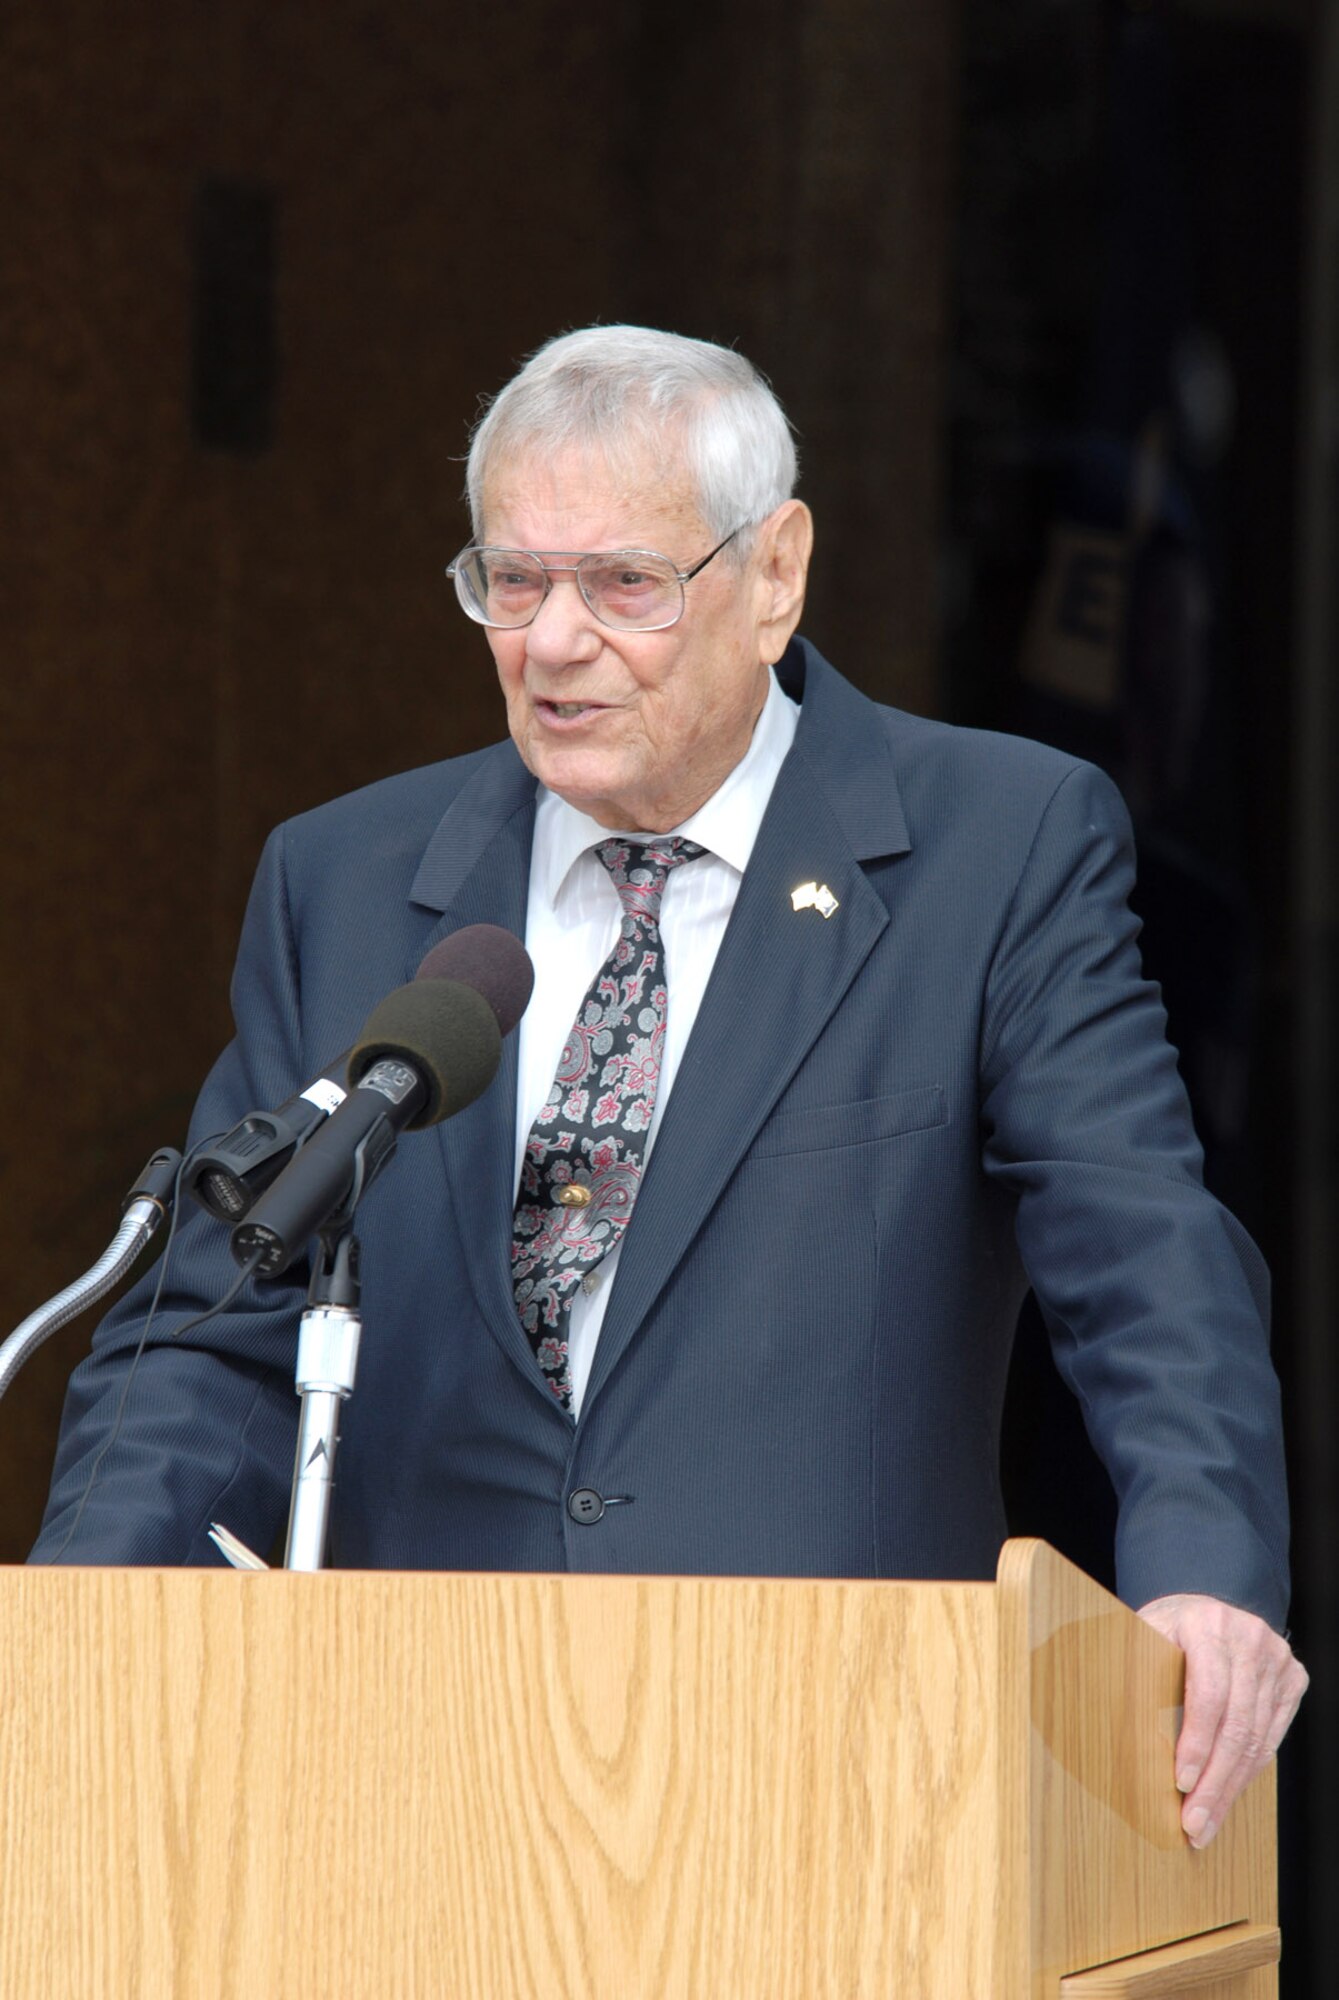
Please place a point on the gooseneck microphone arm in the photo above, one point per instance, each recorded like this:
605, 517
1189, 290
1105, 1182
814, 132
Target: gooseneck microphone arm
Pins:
148, 1204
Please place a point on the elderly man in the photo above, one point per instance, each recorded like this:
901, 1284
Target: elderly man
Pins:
838, 1041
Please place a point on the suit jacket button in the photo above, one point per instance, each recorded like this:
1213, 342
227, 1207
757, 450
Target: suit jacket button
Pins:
585, 1506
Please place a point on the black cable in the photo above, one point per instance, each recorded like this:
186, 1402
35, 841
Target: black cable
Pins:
220, 1305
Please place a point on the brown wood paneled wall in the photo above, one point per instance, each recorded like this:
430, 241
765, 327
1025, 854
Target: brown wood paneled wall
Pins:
202, 636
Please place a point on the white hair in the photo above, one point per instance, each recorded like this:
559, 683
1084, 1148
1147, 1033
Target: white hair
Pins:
623, 390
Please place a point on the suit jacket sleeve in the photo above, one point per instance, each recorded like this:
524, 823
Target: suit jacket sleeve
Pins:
1155, 1297
206, 1429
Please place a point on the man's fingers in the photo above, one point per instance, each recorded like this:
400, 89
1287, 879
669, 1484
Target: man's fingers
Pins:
1239, 1749
1242, 1690
1208, 1688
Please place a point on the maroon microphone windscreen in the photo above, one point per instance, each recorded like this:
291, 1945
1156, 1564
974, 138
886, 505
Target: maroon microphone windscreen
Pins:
490, 960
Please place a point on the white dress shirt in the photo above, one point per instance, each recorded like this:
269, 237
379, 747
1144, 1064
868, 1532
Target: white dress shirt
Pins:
571, 924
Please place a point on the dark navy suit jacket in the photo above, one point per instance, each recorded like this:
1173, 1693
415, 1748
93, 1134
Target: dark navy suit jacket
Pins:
886, 1124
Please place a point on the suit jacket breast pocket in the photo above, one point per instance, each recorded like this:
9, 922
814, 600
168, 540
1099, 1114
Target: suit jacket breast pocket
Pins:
860, 1123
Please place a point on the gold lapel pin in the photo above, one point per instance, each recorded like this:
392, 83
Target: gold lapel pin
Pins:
814, 896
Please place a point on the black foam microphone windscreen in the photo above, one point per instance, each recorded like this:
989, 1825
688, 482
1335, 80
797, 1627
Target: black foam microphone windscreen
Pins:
446, 1031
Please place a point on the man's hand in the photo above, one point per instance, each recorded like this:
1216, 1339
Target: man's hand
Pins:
1242, 1690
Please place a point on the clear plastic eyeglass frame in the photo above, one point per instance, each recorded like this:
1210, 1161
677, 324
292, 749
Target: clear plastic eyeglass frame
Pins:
599, 574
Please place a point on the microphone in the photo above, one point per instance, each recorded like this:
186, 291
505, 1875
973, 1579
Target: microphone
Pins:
228, 1175
426, 1051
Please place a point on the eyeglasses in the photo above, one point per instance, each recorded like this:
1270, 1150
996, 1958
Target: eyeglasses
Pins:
632, 590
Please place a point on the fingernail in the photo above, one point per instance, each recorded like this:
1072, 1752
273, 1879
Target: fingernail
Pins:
1187, 1778
1197, 1827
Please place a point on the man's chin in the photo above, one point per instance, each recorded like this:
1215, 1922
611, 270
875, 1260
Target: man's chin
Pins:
585, 783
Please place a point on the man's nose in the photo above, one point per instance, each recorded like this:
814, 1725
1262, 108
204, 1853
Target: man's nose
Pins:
564, 629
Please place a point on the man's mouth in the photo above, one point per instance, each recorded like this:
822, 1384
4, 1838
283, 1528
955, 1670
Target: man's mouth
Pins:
567, 711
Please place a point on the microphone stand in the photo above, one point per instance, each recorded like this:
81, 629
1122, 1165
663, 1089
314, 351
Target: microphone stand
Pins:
147, 1205
328, 1336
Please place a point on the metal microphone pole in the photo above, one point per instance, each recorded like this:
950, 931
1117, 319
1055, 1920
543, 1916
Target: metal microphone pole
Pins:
328, 1336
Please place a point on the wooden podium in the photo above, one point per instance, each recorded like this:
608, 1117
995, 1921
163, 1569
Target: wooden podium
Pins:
535, 1787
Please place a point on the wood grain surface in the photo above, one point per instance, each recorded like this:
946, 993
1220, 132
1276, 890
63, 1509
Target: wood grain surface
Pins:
1089, 1717
1210, 1965
530, 1788
479, 1786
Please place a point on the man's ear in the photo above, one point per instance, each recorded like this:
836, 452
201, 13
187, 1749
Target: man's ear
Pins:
784, 545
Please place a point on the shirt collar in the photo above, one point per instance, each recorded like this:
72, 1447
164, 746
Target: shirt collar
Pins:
727, 825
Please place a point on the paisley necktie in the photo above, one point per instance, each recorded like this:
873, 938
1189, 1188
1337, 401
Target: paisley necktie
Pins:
584, 1157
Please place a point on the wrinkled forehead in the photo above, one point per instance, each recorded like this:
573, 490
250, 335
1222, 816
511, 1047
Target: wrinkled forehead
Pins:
633, 495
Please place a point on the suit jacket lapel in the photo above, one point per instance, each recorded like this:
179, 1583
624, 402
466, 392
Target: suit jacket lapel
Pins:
778, 978
476, 870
